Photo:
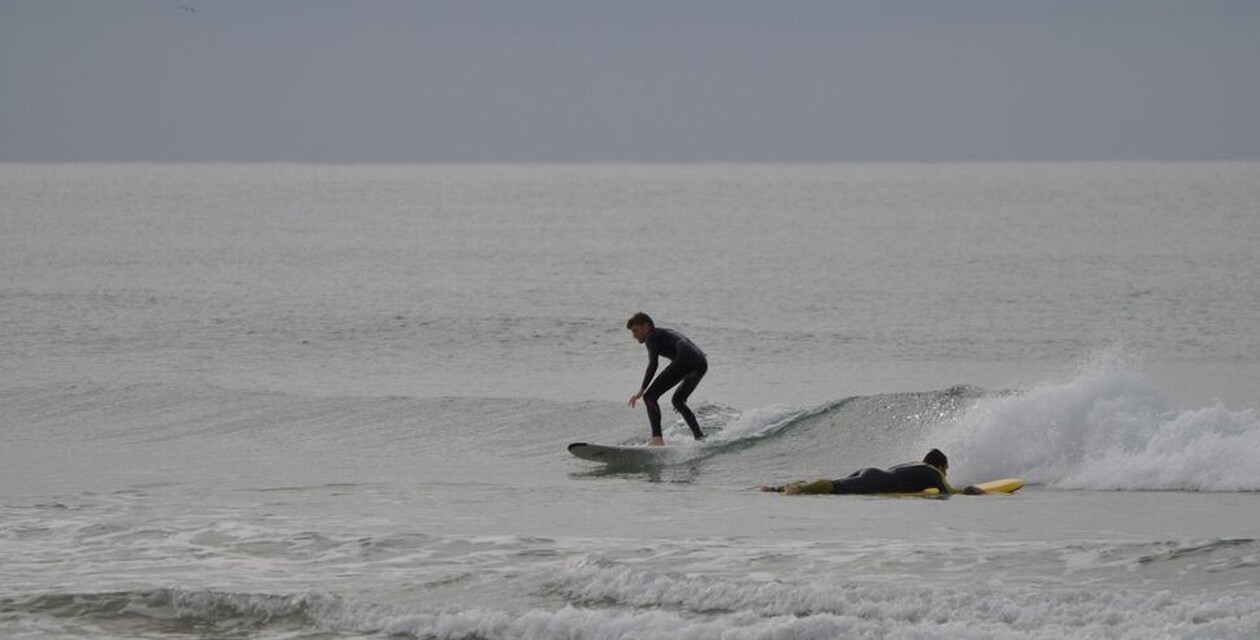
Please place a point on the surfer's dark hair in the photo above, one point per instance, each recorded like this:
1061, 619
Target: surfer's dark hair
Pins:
638, 319
936, 459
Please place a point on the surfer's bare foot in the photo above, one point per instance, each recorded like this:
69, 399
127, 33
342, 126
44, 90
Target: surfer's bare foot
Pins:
657, 441
701, 438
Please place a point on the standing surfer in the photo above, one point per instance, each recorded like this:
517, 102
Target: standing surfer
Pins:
687, 366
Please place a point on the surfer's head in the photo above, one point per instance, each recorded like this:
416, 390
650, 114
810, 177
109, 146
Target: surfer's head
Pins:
638, 319
936, 459
640, 325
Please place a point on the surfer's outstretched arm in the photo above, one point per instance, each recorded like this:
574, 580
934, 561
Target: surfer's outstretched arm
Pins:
802, 487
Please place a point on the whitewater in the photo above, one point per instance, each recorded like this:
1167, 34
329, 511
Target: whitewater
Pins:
303, 401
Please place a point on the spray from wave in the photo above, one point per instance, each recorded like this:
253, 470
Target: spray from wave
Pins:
1105, 428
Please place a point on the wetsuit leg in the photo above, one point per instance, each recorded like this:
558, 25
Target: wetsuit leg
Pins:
689, 384
654, 415
870, 480
673, 374
651, 398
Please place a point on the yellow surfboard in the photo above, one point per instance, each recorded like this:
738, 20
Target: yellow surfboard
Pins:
1005, 485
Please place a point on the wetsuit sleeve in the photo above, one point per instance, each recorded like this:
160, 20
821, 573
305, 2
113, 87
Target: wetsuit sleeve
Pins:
943, 485
817, 487
653, 361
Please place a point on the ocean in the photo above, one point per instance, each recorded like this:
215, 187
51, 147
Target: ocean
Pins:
285, 401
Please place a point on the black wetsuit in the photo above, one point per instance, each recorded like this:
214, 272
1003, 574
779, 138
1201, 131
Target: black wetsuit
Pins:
912, 477
687, 365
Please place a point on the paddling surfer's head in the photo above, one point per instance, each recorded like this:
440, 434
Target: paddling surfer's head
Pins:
936, 459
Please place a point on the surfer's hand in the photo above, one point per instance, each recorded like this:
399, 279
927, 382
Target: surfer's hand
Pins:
635, 398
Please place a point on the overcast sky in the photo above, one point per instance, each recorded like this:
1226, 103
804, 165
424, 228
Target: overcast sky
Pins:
630, 80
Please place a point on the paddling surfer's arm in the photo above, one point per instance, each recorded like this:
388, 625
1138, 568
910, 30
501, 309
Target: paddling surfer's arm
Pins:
945, 487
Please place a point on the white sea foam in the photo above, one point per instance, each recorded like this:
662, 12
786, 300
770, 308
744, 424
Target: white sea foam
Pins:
757, 423
866, 613
599, 598
819, 610
779, 611
1106, 428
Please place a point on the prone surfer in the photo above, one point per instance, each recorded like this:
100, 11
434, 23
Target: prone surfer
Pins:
687, 366
911, 477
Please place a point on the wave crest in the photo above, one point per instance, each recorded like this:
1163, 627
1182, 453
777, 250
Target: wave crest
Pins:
1107, 428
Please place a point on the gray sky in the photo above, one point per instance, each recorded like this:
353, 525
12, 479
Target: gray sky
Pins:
631, 80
